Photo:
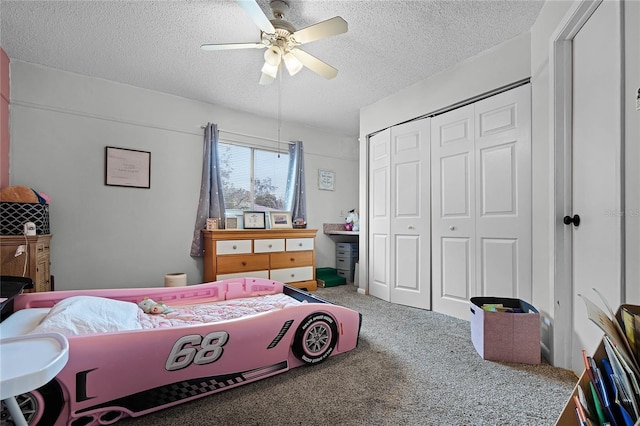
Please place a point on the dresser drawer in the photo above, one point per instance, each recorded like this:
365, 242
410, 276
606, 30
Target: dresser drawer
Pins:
290, 260
290, 275
267, 246
233, 247
299, 244
250, 274
230, 264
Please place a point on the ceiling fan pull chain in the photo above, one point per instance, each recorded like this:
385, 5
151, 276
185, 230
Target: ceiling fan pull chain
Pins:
279, 108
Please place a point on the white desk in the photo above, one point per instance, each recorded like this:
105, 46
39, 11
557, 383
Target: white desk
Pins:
27, 363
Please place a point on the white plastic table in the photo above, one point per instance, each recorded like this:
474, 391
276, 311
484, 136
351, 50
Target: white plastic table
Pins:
27, 363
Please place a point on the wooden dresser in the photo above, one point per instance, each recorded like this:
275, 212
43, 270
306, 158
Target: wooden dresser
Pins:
35, 251
285, 255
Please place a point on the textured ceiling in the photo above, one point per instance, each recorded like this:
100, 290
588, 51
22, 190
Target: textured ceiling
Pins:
155, 44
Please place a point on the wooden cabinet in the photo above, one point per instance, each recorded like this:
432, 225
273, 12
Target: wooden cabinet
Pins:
285, 255
28, 257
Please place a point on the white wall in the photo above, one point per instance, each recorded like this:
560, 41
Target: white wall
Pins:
107, 236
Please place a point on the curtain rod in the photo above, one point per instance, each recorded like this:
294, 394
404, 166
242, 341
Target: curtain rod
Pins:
246, 135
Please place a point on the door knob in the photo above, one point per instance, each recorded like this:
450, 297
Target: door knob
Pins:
568, 220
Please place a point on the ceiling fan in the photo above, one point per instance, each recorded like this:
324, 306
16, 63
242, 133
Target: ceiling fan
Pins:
281, 40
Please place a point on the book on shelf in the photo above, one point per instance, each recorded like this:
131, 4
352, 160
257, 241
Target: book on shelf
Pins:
610, 394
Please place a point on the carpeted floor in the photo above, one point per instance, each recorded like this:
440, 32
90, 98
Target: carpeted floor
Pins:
411, 367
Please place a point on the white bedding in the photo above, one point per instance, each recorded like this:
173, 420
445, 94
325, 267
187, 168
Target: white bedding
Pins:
80, 315
88, 314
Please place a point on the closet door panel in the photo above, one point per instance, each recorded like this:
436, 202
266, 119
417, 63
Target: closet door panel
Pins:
498, 266
454, 176
379, 214
410, 214
456, 266
498, 180
453, 211
503, 186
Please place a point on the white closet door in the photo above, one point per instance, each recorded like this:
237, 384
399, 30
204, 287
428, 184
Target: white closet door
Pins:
453, 211
410, 214
503, 194
379, 214
481, 166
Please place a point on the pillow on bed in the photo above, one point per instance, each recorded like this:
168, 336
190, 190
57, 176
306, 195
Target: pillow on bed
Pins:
78, 315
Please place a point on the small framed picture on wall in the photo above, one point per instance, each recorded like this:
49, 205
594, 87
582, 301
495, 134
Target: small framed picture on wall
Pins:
326, 180
127, 167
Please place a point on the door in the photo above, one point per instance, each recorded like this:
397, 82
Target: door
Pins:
596, 171
410, 214
453, 211
379, 214
503, 194
481, 167
399, 214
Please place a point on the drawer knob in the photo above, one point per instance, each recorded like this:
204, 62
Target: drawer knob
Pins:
270, 245
299, 244
293, 259
244, 263
235, 247
293, 275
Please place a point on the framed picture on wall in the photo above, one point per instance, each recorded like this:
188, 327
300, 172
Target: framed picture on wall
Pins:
280, 220
127, 167
254, 220
326, 180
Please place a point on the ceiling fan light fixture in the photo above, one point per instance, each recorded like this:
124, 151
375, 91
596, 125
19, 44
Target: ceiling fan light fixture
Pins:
273, 55
270, 70
292, 63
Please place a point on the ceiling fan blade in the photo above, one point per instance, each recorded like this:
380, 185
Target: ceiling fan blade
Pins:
328, 28
257, 15
315, 64
230, 46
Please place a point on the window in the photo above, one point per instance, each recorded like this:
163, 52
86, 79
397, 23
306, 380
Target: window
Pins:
252, 178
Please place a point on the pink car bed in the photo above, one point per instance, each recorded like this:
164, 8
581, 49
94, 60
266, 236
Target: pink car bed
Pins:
134, 351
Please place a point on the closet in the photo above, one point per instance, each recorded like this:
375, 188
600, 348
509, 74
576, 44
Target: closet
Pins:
399, 215
450, 206
481, 201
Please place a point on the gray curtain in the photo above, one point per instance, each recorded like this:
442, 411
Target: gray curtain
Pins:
211, 197
296, 196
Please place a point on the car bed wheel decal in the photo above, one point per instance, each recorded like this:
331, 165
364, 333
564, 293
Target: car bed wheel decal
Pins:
315, 338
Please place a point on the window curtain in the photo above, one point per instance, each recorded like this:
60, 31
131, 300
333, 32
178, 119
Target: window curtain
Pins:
295, 195
211, 202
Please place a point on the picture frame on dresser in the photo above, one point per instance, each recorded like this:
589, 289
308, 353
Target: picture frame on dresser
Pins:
280, 220
253, 220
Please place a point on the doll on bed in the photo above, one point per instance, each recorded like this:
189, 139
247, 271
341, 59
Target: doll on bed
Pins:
149, 306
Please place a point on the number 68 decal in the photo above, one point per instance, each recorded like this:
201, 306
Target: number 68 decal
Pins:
185, 352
